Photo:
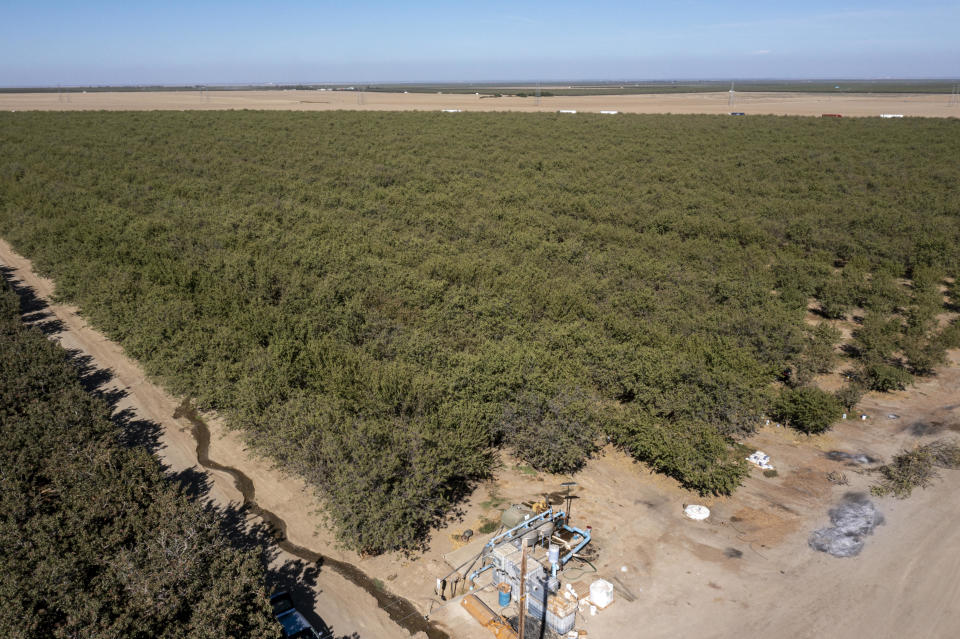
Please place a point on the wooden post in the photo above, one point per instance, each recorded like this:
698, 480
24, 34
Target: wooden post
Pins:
523, 585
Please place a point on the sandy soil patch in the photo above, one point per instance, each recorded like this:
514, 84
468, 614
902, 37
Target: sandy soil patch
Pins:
812, 104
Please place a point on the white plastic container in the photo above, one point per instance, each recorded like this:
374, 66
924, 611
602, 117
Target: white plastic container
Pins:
601, 593
553, 554
696, 512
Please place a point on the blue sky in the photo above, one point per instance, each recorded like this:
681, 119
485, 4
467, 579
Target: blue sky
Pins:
206, 41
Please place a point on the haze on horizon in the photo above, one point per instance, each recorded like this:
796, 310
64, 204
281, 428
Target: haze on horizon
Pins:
105, 42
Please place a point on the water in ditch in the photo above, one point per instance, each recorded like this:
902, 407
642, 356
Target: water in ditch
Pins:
401, 611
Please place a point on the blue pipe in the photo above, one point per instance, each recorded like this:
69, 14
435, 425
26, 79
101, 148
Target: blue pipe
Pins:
479, 571
548, 514
535, 522
509, 535
586, 540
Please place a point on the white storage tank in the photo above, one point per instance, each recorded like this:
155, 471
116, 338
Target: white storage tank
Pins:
601, 593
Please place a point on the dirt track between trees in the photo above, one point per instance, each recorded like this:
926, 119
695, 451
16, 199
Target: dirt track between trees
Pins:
809, 104
347, 609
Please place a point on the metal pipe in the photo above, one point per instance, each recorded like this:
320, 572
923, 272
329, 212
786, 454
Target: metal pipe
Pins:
548, 514
479, 571
469, 562
584, 541
523, 585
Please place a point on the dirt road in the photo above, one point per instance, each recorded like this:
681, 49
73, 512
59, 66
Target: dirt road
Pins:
811, 104
347, 609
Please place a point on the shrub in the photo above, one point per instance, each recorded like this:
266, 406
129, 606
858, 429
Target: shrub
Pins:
850, 394
693, 453
885, 378
924, 355
884, 295
817, 356
556, 435
834, 298
950, 337
807, 409
877, 338
915, 468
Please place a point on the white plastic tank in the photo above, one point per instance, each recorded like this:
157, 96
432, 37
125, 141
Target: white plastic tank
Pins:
601, 593
696, 512
553, 554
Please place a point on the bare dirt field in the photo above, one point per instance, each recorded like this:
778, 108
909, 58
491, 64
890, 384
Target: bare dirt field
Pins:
746, 571
811, 104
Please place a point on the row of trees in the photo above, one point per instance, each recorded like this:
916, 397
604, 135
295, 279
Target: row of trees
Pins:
900, 333
94, 540
382, 300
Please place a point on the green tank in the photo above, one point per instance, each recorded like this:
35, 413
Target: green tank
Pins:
515, 515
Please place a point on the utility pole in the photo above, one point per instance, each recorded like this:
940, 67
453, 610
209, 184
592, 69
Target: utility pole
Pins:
568, 485
523, 585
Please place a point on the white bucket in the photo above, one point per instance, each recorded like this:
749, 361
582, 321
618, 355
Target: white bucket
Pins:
601, 593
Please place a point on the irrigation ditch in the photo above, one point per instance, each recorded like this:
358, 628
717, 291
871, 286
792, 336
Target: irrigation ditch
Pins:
401, 610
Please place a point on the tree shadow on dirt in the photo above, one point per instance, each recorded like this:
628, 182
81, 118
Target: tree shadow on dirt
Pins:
293, 575
132, 430
929, 428
34, 311
296, 576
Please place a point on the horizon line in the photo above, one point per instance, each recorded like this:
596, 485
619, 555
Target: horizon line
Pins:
496, 82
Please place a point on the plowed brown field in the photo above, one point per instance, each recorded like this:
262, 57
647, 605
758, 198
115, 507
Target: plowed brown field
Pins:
863, 105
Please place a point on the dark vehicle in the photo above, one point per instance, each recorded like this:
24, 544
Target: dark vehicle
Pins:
295, 626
